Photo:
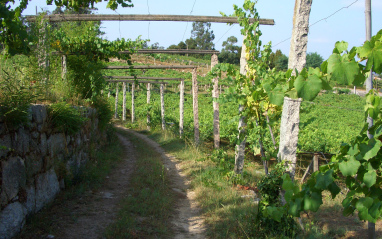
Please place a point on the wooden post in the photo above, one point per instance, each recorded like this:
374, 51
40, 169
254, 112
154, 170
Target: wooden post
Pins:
315, 162
195, 106
148, 104
181, 108
162, 106
63, 67
116, 102
132, 103
124, 101
108, 94
215, 97
306, 172
240, 147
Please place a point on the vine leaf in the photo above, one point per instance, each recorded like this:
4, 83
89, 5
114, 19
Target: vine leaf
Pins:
308, 85
276, 96
312, 202
324, 180
370, 178
372, 50
350, 167
371, 149
342, 70
340, 47
363, 205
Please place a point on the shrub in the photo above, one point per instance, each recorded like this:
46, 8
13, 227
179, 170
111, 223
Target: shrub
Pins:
65, 118
104, 111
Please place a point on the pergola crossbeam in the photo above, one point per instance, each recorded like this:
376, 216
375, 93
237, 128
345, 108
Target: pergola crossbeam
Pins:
141, 81
136, 17
150, 67
143, 78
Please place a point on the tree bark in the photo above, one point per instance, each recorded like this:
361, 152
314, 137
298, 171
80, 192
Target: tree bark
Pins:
291, 110
215, 97
195, 106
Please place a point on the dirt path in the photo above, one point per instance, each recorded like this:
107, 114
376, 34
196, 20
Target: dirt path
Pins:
89, 216
187, 222
96, 210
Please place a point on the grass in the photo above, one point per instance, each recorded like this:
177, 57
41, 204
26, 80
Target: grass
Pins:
147, 209
228, 214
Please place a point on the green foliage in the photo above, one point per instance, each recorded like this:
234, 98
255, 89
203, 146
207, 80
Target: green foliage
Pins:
269, 186
270, 221
65, 118
18, 89
104, 111
318, 134
314, 60
278, 60
202, 35
230, 53
13, 33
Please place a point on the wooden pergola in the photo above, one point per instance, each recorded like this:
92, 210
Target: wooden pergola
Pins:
183, 18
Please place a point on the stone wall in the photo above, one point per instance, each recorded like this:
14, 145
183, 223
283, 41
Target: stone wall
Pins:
34, 160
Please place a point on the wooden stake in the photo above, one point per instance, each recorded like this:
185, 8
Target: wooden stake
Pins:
63, 67
148, 104
116, 102
215, 97
315, 162
124, 101
181, 108
162, 106
132, 103
195, 106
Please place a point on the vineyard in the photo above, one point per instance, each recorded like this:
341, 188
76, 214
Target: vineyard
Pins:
268, 153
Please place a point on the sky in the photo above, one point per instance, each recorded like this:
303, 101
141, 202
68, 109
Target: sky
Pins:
330, 20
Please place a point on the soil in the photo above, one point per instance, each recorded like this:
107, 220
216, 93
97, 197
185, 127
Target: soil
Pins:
89, 216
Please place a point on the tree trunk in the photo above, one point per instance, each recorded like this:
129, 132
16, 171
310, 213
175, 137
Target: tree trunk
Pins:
215, 97
291, 110
240, 148
195, 106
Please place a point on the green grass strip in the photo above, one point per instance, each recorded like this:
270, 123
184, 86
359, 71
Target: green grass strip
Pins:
149, 204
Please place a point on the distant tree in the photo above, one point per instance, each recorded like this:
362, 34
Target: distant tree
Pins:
313, 59
278, 60
173, 46
182, 45
281, 63
273, 58
203, 35
230, 53
191, 44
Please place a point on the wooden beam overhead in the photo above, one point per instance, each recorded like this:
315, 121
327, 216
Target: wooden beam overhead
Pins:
141, 81
154, 51
143, 78
134, 17
150, 67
